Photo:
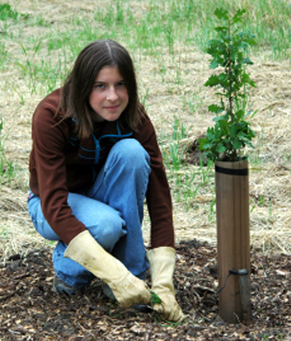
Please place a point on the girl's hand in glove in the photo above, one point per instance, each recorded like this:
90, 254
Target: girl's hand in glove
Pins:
169, 308
128, 289
162, 264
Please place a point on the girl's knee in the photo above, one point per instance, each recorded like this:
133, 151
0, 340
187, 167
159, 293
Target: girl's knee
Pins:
109, 230
131, 152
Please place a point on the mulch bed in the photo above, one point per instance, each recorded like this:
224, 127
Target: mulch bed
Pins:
30, 310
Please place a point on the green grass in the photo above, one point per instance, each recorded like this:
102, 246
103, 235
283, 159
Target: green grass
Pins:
160, 26
6, 12
7, 168
186, 181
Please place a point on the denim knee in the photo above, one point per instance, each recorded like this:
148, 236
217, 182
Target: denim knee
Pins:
131, 153
110, 228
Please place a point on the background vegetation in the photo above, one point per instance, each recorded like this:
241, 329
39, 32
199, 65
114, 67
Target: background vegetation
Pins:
168, 42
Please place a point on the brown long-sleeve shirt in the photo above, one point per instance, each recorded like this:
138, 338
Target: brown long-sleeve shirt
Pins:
61, 163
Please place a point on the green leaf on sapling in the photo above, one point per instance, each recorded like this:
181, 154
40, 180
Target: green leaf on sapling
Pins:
215, 108
212, 81
220, 148
214, 64
237, 144
238, 16
247, 61
221, 13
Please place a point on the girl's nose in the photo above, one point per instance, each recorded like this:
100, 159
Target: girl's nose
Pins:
112, 95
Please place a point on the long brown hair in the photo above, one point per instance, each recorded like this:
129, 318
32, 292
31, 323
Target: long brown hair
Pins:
79, 84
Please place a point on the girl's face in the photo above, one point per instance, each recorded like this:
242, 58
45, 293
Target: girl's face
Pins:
109, 95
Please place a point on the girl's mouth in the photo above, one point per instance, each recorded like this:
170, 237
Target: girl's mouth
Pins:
112, 108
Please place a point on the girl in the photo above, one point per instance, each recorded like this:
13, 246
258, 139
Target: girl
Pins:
94, 160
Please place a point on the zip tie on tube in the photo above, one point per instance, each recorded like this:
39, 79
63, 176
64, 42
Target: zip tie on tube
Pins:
240, 272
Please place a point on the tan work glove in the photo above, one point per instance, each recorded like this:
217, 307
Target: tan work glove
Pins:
128, 289
162, 265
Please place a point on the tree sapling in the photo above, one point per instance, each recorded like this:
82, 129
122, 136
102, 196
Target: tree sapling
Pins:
231, 133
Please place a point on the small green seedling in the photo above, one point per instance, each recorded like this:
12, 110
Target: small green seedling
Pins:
155, 298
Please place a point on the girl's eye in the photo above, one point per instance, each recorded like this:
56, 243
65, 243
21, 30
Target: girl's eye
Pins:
121, 84
99, 86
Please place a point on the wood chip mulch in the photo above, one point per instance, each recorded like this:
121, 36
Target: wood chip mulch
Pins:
30, 310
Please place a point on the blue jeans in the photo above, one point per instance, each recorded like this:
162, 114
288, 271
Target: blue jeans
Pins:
112, 210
